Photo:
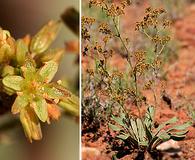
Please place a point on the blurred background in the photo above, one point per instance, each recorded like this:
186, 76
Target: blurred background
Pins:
61, 138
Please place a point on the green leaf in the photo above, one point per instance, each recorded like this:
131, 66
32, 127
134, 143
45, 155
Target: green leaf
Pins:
19, 103
180, 133
170, 121
177, 137
164, 136
143, 143
70, 102
114, 127
141, 131
70, 108
180, 127
40, 107
123, 136
48, 71
13, 82
134, 127
118, 120
149, 117
148, 133
21, 51
114, 157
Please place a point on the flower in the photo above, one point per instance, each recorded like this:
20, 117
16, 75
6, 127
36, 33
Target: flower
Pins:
37, 98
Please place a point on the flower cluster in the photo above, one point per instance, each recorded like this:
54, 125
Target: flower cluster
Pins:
27, 69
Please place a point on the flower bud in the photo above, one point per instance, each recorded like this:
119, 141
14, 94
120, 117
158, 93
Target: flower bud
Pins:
7, 70
54, 55
7, 46
30, 124
43, 39
21, 51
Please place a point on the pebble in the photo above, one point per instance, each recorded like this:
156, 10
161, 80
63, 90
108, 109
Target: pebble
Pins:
168, 145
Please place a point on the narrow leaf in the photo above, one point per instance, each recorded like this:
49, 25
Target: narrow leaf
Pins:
148, 134
134, 127
170, 121
123, 136
114, 127
118, 120
180, 133
180, 127
164, 136
141, 131
177, 137
149, 117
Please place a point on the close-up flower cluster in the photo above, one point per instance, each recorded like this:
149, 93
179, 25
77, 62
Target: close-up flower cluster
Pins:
27, 71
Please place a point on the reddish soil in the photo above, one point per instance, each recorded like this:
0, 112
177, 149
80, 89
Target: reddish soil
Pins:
180, 87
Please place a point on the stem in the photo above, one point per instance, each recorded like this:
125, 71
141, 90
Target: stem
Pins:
159, 53
147, 35
136, 96
155, 98
122, 41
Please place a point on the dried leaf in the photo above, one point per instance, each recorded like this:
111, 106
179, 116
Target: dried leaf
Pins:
53, 111
114, 127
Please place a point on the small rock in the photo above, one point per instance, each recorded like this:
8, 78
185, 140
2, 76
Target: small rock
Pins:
90, 152
168, 145
170, 148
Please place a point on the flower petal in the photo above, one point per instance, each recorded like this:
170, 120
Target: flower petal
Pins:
21, 50
53, 111
13, 82
29, 69
40, 108
53, 93
20, 102
48, 71
30, 124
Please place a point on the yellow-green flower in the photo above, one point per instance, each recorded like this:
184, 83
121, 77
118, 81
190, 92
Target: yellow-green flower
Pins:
35, 94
